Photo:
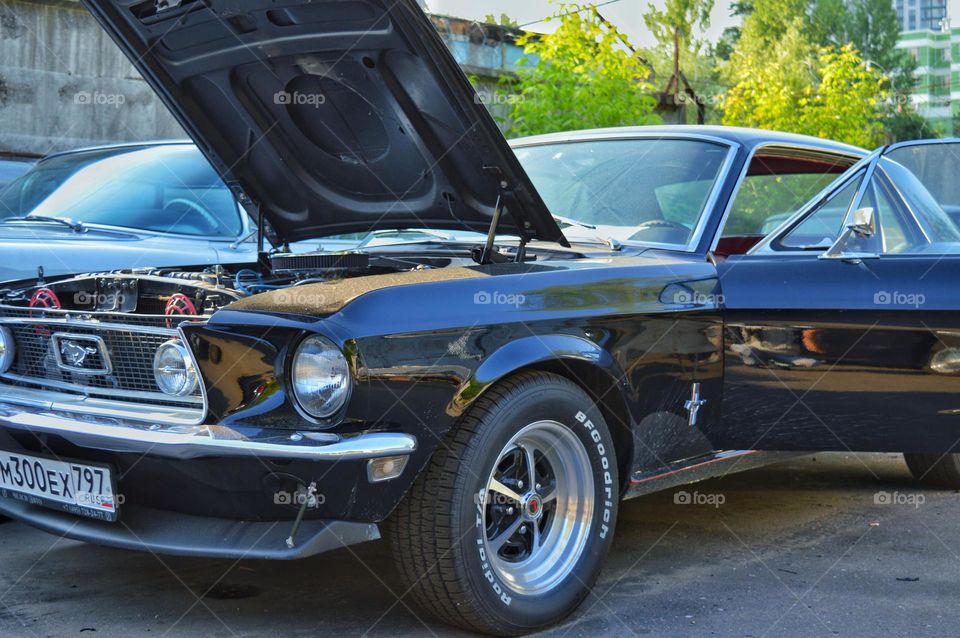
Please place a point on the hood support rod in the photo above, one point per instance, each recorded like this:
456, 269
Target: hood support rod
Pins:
487, 256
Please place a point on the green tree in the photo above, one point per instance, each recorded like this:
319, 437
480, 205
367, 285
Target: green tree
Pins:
872, 27
679, 17
676, 27
767, 81
731, 35
906, 124
504, 20
805, 89
846, 100
770, 20
582, 76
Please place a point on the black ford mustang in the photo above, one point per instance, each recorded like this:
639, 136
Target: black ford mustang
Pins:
624, 327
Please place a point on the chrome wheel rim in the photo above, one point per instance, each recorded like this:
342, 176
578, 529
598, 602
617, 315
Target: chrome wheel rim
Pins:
538, 509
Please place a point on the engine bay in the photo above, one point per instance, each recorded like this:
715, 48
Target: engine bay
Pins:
198, 292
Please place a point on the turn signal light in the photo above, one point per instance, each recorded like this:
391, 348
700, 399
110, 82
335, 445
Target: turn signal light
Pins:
385, 469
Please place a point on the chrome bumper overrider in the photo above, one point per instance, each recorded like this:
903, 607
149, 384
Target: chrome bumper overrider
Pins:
198, 441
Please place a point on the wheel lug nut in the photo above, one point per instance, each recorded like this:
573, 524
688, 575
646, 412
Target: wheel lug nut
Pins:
520, 484
523, 529
538, 487
509, 511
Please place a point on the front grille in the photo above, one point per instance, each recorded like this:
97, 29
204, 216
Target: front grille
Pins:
97, 318
106, 355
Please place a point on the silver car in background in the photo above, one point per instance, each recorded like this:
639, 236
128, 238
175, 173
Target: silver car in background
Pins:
13, 166
120, 207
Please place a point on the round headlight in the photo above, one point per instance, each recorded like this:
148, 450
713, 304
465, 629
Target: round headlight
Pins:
320, 377
173, 369
8, 349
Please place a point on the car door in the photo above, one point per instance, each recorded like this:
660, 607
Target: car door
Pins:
859, 352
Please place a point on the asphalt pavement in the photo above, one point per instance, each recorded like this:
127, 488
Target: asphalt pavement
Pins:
829, 545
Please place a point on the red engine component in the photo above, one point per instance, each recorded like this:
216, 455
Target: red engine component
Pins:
45, 299
179, 305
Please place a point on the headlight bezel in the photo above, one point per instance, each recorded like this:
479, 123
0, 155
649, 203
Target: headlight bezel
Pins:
334, 414
190, 368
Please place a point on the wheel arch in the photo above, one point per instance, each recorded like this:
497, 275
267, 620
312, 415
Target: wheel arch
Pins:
576, 359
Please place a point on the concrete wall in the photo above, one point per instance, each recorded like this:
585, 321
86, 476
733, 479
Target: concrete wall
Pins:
64, 84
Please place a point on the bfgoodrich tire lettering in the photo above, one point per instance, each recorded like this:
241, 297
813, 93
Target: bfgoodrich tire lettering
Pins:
448, 535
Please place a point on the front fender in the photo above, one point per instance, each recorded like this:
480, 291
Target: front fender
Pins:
528, 352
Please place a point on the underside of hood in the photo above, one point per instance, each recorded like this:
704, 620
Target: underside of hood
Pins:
330, 116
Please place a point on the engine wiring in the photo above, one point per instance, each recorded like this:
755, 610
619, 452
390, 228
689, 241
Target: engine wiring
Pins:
241, 282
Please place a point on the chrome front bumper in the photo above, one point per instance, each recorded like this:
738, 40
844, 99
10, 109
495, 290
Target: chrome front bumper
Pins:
199, 441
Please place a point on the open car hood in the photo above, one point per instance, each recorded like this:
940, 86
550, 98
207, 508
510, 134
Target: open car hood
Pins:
330, 116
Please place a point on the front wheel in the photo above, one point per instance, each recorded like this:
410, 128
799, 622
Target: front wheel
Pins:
508, 527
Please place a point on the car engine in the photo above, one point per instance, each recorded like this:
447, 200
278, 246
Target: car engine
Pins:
199, 292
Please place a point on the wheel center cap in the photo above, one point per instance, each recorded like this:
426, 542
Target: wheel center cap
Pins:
533, 506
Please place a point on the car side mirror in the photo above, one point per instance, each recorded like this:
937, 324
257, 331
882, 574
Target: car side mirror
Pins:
863, 224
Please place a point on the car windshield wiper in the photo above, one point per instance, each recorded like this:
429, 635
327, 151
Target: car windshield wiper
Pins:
377, 234
610, 242
76, 227
572, 222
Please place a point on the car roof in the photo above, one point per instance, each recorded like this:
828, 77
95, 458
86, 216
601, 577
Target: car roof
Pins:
121, 146
746, 137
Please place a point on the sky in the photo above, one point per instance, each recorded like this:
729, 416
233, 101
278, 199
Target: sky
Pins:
626, 14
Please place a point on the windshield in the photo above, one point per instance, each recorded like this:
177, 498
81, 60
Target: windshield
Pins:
652, 191
165, 189
12, 169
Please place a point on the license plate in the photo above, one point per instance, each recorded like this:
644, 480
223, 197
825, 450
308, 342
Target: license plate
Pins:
78, 488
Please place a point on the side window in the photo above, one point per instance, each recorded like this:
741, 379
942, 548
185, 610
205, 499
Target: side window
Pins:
925, 175
820, 229
766, 201
778, 183
935, 167
895, 232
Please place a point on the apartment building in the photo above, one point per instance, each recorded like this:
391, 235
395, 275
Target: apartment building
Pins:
928, 34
